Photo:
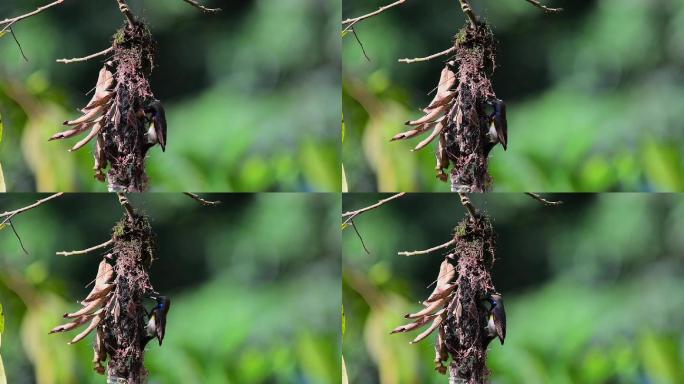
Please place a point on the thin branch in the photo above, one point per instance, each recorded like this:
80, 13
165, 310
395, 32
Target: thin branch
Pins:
426, 58
123, 200
10, 214
543, 200
352, 214
10, 21
201, 200
544, 7
350, 22
465, 201
86, 58
202, 7
83, 252
425, 252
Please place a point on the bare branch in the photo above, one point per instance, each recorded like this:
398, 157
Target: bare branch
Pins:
10, 214
202, 7
465, 6
86, 58
465, 201
426, 58
543, 200
544, 7
352, 214
350, 22
123, 200
201, 200
11, 21
83, 252
425, 252
123, 7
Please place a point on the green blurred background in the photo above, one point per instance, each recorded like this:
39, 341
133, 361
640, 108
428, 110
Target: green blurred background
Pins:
593, 288
254, 283
252, 94
594, 94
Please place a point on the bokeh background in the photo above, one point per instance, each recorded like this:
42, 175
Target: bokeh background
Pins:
593, 288
251, 94
254, 283
593, 94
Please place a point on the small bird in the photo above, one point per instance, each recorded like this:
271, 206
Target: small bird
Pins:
498, 126
496, 319
156, 133
156, 325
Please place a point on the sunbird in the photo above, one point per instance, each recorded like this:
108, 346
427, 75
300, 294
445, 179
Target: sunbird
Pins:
497, 125
156, 324
156, 133
496, 319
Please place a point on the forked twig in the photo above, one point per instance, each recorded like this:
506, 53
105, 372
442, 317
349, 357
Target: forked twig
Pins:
10, 214
352, 214
10, 21
349, 23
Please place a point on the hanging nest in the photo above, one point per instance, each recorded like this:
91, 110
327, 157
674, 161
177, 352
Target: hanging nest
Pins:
457, 117
454, 309
115, 116
114, 307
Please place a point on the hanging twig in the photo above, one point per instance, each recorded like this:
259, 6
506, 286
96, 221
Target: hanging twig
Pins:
426, 58
360, 237
426, 251
201, 200
352, 214
202, 7
86, 58
543, 200
18, 45
18, 237
83, 252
